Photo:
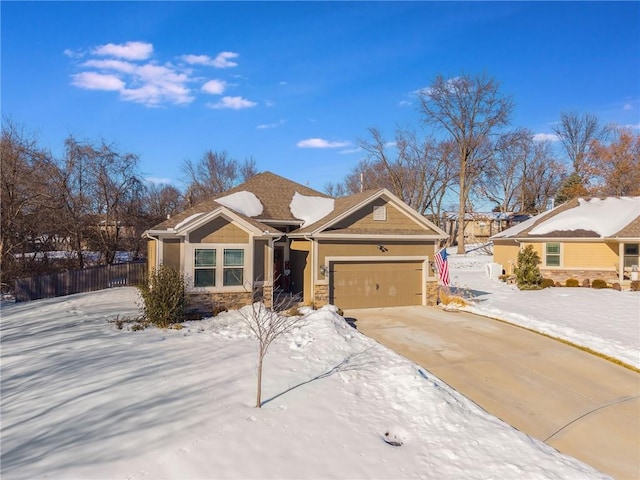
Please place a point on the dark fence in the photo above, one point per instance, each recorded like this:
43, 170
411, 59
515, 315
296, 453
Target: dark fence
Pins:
79, 281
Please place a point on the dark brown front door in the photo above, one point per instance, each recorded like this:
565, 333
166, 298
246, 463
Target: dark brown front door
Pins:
278, 267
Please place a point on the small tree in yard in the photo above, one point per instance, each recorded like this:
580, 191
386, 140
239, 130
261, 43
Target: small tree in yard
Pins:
267, 324
528, 275
163, 297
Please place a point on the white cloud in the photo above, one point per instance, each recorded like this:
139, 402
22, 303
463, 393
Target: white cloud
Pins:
633, 127
197, 59
321, 143
351, 150
271, 125
159, 180
404, 103
234, 103
214, 87
97, 81
129, 50
127, 71
627, 106
222, 60
545, 137
73, 53
283, 83
118, 65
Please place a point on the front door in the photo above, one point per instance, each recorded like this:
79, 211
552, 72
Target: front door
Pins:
278, 268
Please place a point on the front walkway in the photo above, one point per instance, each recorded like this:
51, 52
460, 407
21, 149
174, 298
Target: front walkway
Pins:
580, 404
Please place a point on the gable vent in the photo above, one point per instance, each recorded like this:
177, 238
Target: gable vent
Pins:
379, 212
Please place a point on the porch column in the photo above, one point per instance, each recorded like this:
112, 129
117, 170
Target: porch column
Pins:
620, 262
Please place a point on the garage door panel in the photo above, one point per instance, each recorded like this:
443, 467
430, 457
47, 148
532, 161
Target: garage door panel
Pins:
380, 284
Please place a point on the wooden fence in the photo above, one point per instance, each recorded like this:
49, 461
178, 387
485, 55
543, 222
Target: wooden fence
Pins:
79, 281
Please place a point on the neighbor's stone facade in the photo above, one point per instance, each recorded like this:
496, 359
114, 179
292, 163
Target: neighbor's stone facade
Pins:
563, 275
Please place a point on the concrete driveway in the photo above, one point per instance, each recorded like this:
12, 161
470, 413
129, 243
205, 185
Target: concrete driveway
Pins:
580, 404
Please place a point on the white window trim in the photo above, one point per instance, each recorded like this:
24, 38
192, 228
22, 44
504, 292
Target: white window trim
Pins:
219, 248
560, 254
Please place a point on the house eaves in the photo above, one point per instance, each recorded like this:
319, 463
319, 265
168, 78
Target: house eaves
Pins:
360, 201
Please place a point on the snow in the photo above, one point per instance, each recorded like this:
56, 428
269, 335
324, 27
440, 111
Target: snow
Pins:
521, 227
310, 209
181, 224
605, 216
245, 203
83, 399
606, 321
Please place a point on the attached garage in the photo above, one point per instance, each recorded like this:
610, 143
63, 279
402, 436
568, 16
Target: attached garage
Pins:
370, 284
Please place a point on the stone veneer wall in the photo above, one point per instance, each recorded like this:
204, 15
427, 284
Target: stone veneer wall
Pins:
321, 295
432, 293
563, 275
210, 302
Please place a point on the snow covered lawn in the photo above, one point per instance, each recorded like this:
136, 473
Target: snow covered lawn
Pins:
606, 321
82, 399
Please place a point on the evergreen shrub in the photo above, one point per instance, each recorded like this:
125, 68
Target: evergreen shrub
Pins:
163, 297
528, 275
547, 282
599, 283
572, 282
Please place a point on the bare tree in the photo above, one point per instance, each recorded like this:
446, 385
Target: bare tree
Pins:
267, 324
471, 110
523, 174
26, 223
98, 195
214, 173
616, 166
415, 168
577, 134
162, 201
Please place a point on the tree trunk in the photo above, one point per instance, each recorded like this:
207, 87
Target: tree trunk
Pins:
259, 386
461, 210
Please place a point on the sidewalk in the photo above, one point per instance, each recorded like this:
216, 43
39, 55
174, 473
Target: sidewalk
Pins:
580, 404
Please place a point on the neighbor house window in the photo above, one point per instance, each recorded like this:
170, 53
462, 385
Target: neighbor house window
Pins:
552, 257
233, 270
631, 254
204, 272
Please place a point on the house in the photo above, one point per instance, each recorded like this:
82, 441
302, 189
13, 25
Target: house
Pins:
479, 226
585, 238
273, 235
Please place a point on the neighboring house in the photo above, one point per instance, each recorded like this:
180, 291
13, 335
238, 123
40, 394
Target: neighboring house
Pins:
479, 226
273, 235
583, 238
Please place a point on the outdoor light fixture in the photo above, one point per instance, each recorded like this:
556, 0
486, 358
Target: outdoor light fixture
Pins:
323, 270
383, 248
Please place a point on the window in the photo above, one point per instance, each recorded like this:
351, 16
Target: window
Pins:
552, 257
204, 273
631, 254
233, 270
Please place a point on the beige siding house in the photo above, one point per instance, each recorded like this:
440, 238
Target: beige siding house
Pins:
583, 238
274, 236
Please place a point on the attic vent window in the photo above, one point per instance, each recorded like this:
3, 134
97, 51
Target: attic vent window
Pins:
380, 213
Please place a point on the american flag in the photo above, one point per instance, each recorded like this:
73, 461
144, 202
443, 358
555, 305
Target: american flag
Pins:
443, 266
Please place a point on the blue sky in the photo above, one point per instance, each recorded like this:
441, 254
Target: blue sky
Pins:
297, 84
